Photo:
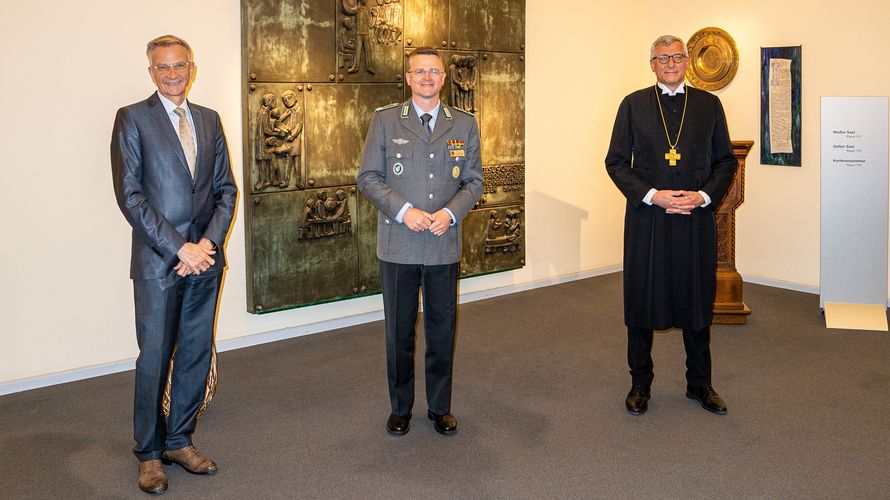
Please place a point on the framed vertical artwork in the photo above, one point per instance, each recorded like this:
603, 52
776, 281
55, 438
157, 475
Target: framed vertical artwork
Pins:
780, 106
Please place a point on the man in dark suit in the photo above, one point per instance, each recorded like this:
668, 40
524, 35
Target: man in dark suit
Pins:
174, 185
671, 157
421, 168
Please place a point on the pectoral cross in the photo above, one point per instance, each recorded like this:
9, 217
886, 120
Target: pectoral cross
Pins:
672, 156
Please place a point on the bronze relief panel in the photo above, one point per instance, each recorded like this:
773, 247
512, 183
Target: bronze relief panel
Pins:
493, 240
426, 23
304, 247
504, 185
288, 41
369, 40
337, 118
502, 108
275, 123
491, 25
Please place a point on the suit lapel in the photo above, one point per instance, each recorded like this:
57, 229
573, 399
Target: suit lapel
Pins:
165, 126
198, 118
443, 124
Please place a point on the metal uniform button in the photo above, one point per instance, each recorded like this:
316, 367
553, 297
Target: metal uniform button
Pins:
398, 155
386, 221
431, 196
432, 155
431, 175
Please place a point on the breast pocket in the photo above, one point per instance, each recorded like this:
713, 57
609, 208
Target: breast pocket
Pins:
399, 163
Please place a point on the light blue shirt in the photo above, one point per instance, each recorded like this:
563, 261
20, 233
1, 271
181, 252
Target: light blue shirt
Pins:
169, 106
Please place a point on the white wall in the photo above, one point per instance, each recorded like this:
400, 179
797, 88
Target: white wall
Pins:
66, 300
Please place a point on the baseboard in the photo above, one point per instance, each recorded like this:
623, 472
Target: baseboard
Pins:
283, 334
787, 285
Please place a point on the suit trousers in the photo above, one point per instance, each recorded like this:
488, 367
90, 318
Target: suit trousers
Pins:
173, 313
438, 285
698, 356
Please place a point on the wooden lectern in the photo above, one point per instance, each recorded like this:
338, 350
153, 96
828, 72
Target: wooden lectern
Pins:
728, 306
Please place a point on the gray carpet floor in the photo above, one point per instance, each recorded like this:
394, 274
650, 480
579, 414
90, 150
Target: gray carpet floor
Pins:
540, 380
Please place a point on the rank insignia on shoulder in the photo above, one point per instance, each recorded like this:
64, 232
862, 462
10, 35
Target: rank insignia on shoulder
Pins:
463, 111
388, 106
446, 112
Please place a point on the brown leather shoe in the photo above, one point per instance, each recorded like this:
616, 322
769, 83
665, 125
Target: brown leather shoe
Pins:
190, 459
152, 478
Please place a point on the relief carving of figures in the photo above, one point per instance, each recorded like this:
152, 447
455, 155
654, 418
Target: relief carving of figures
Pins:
503, 235
387, 16
463, 82
267, 139
361, 13
277, 140
290, 122
367, 23
326, 215
346, 42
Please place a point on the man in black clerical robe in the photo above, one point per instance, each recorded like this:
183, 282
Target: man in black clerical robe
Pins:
671, 157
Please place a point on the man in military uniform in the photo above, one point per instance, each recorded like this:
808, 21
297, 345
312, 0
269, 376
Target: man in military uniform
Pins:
671, 157
421, 168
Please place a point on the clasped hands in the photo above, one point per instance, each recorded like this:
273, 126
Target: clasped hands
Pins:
418, 221
678, 202
195, 258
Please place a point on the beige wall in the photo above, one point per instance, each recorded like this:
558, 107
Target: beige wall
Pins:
67, 303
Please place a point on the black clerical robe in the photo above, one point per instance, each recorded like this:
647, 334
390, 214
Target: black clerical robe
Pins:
670, 260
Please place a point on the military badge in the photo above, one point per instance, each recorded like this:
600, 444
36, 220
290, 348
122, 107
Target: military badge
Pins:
455, 172
398, 168
400, 141
456, 148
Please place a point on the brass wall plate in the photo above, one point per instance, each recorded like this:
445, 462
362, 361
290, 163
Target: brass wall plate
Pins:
713, 59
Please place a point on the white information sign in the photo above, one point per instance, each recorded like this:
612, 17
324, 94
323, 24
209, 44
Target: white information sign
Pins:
853, 240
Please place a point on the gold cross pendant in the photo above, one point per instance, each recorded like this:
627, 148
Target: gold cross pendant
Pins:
672, 156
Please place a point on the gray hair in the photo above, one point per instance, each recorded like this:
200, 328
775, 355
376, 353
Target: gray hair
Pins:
167, 41
666, 41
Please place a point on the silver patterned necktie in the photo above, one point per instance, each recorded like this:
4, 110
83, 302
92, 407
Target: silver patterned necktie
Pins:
425, 118
187, 139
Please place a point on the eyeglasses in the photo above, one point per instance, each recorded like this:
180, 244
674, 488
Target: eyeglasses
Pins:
179, 67
663, 59
421, 72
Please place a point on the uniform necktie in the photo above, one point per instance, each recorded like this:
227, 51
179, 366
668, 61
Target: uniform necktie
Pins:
187, 140
425, 118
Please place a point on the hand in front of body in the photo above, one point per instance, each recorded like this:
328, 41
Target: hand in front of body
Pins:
678, 202
195, 257
417, 220
441, 223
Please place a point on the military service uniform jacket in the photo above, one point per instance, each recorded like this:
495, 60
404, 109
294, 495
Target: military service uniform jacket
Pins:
399, 165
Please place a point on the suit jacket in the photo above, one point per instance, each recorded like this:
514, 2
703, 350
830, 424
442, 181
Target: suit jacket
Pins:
155, 189
399, 165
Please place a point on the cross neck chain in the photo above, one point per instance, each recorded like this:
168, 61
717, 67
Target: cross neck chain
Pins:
672, 154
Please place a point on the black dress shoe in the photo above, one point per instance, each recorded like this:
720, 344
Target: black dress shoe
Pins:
445, 424
637, 401
398, 424
707, 397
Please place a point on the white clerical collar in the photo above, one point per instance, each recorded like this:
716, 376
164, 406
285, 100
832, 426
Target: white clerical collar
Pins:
665, 90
